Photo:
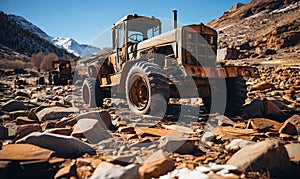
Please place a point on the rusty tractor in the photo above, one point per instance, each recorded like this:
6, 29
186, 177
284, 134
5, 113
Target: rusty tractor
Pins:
146, 62
61, 72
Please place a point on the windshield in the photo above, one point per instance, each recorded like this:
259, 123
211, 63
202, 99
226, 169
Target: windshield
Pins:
140, 30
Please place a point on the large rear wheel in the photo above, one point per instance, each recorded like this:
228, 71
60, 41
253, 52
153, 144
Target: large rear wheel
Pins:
236, 95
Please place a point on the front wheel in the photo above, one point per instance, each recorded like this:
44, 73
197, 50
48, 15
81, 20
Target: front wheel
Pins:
147, 89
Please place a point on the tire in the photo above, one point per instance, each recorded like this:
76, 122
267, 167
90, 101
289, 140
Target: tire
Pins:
235, 99
147, 89
55, 79
92, 93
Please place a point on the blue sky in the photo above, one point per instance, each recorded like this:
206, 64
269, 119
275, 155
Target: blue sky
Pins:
83, 20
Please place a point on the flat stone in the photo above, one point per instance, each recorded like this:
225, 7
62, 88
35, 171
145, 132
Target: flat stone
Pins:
67, 171
61, 131
92, 129
64, 146
14, 105
144, 131
263, 124
24, 130
24, 152
24, 120
107, 170
270, 155
293, 151
128, 130
262, 86
180, 129
156, 165
15, 114
52, 113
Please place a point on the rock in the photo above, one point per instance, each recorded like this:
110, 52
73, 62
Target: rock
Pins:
107, 170
288, 128
24, 120
262, 108
68, 171
237, 144
262, 86
92, 129
32, 115
263, 124
293, 151
179, 145
24, 130
145, 131
181, 129
295, 119
208, 137
52, 113
270, 155
64, 146
21, 93
128, 130
15, 114
102, 115
156, 165
65, 121
3, 132
61, 131
14, 105
224, 121
24, 152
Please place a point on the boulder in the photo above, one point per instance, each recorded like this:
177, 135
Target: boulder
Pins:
92, 129
107, 170
103, 116
237, 144
293, 151
156, 165
14, 105
288, 128
61, 131
266, 155
64, 146
179, 145
52, 113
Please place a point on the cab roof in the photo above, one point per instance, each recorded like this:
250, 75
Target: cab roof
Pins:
151, 20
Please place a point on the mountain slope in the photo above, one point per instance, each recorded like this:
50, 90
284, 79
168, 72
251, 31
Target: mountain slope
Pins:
65, 43
21, 40
260, 27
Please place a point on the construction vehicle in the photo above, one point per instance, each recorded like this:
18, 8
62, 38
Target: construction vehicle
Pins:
61, 72
146, 62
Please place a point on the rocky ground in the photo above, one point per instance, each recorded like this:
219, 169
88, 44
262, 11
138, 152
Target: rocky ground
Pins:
46, 132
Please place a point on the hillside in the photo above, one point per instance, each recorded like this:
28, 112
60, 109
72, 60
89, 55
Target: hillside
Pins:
68, 44
25, 42
263, 27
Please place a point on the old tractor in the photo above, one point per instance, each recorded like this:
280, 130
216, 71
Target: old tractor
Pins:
61, 72
146, 62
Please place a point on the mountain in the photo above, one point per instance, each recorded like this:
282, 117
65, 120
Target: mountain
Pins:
64, 43
23, 41
261, 27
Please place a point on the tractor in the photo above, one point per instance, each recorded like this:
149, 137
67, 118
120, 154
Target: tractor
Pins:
146, 62
61, 72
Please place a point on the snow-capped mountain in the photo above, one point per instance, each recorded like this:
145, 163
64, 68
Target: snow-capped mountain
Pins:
68, 44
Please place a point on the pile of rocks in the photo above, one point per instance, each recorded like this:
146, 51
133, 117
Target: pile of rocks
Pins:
44, 136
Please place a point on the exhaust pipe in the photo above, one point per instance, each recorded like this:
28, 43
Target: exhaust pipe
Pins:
175, 18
